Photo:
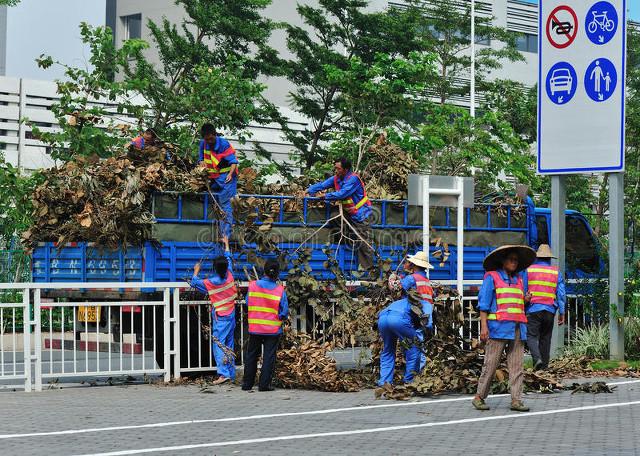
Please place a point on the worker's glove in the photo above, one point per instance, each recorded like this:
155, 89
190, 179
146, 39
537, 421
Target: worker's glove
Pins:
395, 284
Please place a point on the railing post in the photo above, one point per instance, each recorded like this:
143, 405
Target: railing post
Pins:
167, 334
176, 334
37, 339
26, 330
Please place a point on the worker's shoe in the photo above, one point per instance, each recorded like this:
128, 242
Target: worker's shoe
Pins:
519, 406
479, 404
538, 365
268, 388
220, 380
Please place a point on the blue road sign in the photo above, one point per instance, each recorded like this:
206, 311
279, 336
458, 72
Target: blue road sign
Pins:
600, 79
562, 82
601, 23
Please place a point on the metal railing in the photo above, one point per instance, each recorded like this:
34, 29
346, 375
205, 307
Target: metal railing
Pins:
167, 333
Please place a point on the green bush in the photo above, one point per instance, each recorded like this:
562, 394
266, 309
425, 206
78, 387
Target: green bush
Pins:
593, 341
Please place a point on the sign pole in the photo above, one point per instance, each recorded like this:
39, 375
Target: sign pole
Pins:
460, 240
616, 266
425, 217
558, 238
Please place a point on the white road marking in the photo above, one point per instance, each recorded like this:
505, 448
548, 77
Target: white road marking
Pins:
240, 418
362, 431
252, 417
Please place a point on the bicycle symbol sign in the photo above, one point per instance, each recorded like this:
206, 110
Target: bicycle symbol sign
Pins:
562, 27
601, 23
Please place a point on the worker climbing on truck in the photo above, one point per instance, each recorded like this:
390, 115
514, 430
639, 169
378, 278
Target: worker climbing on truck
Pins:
148, 138
350, 192
545, 284
222, 293
219, 158
503, 322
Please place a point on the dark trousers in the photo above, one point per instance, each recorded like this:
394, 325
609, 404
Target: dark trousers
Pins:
365, 254
539, 331
256, 342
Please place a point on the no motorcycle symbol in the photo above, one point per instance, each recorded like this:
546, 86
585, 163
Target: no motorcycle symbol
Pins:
562, 27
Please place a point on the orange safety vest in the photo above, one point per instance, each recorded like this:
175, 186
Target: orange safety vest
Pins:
543, 283
509, 299
351, 206
264, 305
212, 161
223, 296
138, 142
423, 285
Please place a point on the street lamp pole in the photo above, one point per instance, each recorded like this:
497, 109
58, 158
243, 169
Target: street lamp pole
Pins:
473, 59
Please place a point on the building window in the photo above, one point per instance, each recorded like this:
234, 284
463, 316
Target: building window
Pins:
132, 26
527, 43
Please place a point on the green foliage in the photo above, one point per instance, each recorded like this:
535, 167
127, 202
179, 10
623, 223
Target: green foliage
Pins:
208, 71
15, 202
592, 342
333, 34
632, 174
86, 128
443, 27
517, 104
378, 95
9, 2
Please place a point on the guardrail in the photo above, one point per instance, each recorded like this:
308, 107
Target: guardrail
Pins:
167, 333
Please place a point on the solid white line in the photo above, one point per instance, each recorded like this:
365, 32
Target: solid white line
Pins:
627, 382
239, 418
362, 431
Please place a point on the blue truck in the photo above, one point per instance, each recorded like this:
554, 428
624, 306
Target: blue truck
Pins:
185, 229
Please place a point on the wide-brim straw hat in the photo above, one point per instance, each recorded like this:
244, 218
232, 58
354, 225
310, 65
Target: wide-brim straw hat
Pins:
526, 257
420, 259
544, 251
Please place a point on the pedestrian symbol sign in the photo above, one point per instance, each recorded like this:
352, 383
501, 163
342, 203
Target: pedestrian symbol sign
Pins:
601, 23
562, 27
581, 86
600, 80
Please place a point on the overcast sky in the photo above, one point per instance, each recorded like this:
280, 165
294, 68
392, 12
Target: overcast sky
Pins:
50, 27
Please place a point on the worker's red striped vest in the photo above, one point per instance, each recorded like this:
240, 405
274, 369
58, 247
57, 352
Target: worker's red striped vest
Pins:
349, 204
509, 300
543, 283
264, 305
423, 285
223, 296
212, 161
138, 142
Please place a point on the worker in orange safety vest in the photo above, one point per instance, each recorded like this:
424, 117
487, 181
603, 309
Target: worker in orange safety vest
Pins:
267, 308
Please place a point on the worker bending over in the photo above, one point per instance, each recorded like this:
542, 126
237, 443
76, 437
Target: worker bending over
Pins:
148, 138
417, 266
222, 293
350, 192
503, 322
546, 286
407, 321
267, 308
219, 158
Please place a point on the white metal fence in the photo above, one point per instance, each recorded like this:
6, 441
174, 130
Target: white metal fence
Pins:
165, 331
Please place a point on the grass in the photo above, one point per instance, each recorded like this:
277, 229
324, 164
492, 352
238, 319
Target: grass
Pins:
611, 365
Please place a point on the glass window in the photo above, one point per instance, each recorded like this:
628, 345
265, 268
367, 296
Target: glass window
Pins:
580, 246
132, 26
527, 42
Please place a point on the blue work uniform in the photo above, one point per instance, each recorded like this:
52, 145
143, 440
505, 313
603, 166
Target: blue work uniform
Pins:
409, 282
224, 191
350, 187
283, 310
394, 323
561, 296
498, 329
222, 327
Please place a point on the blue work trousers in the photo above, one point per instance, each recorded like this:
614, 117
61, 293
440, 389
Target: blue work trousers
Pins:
223, 330
224, 194
394, 326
